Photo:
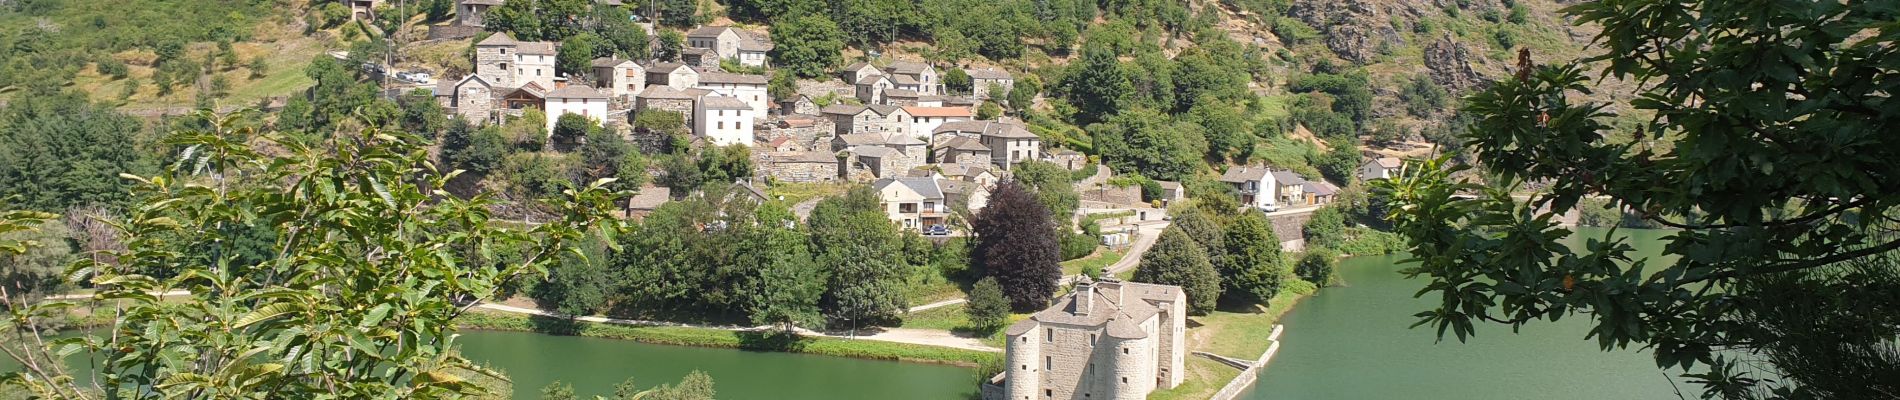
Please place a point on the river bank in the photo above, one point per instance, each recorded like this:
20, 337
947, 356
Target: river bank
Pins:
744, 340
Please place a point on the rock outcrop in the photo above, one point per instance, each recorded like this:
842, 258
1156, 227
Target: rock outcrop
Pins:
1449, 63
1355, 30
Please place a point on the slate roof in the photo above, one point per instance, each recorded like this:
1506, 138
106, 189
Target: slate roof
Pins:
497, 39
665, 92
1321, 188
610, 62
540, 48
842, 109
723, 103
901, 79
650, 197
924, 186
871, 79
884, 109
752, 42
908, 67
986, 73
667, 67
1002, 129
1121, 320
483, 2
576, 92
1169, 185
708, 31
1389, 162
1244, 174
900, 93
963, 143
858, 65
722, 77
1286, 177
749, 188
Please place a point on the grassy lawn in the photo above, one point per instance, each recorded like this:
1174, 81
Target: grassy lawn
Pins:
1234, 333
794, 193
955, 319
1102, 258
704, 337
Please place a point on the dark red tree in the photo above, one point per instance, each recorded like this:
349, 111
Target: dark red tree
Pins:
1017, 244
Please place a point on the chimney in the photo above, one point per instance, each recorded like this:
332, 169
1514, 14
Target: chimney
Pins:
1084, 295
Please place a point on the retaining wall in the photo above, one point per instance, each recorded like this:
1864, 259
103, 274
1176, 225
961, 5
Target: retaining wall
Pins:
1249, 375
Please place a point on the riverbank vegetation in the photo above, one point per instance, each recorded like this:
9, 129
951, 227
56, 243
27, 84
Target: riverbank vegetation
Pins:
1774, 171
720, 338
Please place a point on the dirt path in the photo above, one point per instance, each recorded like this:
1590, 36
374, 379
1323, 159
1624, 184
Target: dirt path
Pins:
927, 337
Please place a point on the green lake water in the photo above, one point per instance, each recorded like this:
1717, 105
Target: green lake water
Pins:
595, 365
1352, 342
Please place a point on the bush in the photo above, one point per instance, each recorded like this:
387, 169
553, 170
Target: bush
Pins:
112, 67
1316, 266
988, 308
571, 128
1078, 245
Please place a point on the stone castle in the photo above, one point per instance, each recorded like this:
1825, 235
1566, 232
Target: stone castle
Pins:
1105, 340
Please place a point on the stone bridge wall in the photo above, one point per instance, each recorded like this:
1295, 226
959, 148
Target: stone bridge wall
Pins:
1291, 229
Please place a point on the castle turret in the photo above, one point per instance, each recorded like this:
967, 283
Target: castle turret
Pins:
1024, 376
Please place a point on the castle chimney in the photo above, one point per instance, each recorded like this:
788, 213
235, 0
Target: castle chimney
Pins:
1084, 295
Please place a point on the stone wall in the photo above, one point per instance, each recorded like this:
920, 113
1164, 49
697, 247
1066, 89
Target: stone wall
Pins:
1107, 193
1291, 229
453, 31
1247, 376
799, 171
682, 106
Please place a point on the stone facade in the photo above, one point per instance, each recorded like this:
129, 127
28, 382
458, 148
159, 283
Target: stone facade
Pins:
1106, 340
1111, 194
800, 166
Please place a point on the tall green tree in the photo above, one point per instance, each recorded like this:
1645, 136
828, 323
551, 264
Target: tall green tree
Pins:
988, 309
1176, 260
616, 27
852, 236
1096, 85
60, 151
1251, 271
1016, 244
364, 282
1772, 170
671, 43
515, 17
789, 283
577, 54
1147, 142
807, 46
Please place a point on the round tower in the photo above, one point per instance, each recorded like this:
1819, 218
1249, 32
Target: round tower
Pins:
1023, 381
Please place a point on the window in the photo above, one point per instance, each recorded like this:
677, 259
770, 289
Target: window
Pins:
504, 51
722, 124
1091, 340
1124, 379
1048, 393
1048, 362
1049, 334
1124, 350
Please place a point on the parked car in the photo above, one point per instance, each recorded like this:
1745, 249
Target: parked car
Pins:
1270, 208
937, 230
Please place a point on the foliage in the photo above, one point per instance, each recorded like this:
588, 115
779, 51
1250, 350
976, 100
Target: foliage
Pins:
1096, 84
667, 123
1077, 245
1251, 271
1316, 265
579, 284
957, 81
362, 279
671, 44
1146, 142
1051, 184
475, 150
853, 238
783, 85
1176, 260
570, 128
1016, 244
61, 151
622, 36
33, 255
1772, 170
1326, 227
576, 55
1422, 96
988, 111
1022, 96
988, 308
719, 338
807, 46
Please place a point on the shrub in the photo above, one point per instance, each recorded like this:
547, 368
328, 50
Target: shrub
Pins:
1077, 245
112, 67
988, 308
1316, 266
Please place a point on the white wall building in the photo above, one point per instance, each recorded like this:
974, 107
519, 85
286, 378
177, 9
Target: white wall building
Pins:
747, 88
723, 120
576, 99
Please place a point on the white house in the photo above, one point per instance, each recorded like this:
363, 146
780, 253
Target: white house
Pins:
674, 75
925, 120
723, 120
576, 99
747, 88
913, 203
1380, 168
1255, 184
